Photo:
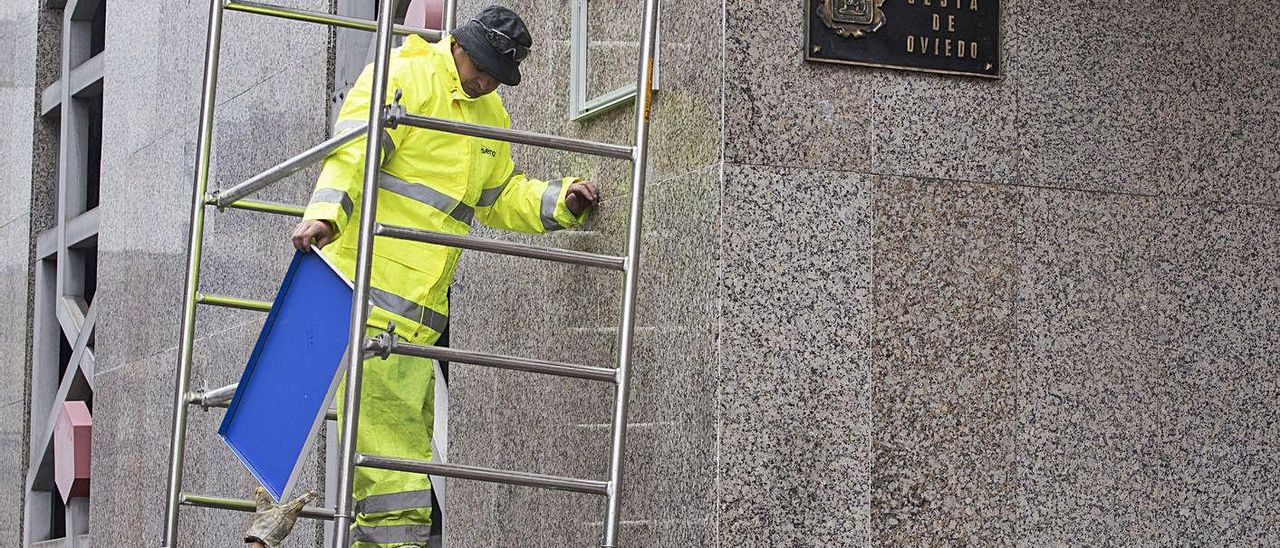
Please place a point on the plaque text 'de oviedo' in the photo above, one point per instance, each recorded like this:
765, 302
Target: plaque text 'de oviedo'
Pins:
948, 36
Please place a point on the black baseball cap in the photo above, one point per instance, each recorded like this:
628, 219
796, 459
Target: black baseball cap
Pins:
497, 40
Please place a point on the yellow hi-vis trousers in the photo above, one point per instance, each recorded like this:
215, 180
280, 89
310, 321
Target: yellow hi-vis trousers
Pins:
397, 414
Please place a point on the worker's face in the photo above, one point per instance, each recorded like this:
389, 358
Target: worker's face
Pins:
475, 82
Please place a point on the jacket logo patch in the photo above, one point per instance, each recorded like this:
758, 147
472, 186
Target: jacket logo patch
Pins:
489, 151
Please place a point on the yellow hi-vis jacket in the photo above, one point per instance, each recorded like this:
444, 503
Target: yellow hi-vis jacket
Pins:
431, 180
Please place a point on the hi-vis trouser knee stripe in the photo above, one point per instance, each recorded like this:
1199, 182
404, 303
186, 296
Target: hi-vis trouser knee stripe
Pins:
549, 200
424, 194
396, 304
332, 196
394, 502
388, 145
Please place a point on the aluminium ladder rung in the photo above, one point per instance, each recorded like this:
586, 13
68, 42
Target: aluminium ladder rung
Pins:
502, 247
241, 505
491, 475
500, 362
221, 397
276, 208
543, 140
212, 398
259, 8
224, 198
233, 302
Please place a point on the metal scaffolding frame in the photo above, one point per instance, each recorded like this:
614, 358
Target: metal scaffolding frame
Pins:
382, 115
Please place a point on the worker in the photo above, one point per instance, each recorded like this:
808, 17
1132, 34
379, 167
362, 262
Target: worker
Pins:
434, 181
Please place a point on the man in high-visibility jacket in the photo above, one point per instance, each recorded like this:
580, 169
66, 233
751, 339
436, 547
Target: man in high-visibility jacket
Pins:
435, 181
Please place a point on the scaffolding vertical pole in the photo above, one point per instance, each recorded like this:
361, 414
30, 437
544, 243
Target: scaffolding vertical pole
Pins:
640, 165
450, 17
344, 515
204, 147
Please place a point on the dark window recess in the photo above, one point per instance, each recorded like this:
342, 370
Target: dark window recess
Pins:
90, 273
98, 29
64, 354
93, 169
57, 517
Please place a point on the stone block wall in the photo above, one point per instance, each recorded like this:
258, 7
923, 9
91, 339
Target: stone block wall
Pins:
531, 308
1064, 313
944, 310
877, 307
272, 103
19, 98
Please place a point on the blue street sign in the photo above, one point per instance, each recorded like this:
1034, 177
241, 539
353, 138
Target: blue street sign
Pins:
292, 374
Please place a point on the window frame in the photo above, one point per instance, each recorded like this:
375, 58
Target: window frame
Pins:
581, 107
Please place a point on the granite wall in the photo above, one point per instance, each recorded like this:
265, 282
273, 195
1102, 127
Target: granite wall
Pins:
271, 104
18, 96
531, 308
1033, 311
935, 310
877, 307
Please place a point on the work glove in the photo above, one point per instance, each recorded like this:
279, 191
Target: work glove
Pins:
274, 522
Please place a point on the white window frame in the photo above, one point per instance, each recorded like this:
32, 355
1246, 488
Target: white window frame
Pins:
581, 107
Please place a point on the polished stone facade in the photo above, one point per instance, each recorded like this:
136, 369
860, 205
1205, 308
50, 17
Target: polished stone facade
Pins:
945, 311
18, 95
269, 108
877, 308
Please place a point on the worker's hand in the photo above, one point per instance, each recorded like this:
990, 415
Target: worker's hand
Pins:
581, 195
308, 233
272, 523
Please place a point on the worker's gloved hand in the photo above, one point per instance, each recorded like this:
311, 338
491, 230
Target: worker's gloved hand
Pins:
309, 233
272, 523
580, 196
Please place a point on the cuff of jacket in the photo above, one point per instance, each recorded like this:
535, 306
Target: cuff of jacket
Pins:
329, 213
563, 216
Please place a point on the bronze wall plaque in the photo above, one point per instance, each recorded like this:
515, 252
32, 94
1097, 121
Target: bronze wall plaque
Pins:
946, 36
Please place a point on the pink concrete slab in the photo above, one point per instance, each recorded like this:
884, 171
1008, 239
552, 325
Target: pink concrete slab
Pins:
72, 440
427, 14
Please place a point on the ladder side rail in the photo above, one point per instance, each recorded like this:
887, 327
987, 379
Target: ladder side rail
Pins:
308, 16
277, 173
644, 100
208, 101
502, 247
241, 505
544, 140
450, 15
344, 515
491, 475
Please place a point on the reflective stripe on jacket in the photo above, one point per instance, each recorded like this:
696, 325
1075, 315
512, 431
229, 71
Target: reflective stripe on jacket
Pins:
431, 180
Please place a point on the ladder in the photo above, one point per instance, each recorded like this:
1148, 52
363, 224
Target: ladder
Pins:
381, 115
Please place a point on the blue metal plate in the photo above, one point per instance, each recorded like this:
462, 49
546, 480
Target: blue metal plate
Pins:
289, 382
